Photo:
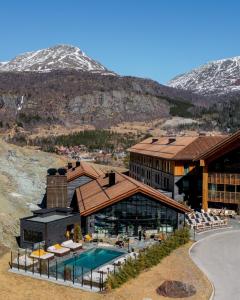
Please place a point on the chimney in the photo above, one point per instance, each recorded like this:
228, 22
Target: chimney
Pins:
171, 140
57, 188
154, 140
112, 178
78, 163
69, 165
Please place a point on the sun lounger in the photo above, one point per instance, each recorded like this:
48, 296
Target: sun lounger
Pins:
41, 254
58, 250
72, 245
23, 262
104, 245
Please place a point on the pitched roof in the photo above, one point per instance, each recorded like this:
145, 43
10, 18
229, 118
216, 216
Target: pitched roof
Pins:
85, 169
97, 194
176, 148
225, 145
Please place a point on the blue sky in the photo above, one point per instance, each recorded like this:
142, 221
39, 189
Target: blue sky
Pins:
155, 39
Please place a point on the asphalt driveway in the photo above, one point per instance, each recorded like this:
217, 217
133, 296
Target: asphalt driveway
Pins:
218, 256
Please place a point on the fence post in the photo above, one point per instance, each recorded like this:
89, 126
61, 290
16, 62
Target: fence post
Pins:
82, 276
91, 279
100, 281
48, 267
40, 267
33, 266
11, 260
25, 264
73, 274
56, 271
18, 259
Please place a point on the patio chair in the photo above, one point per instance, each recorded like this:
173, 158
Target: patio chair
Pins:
41, 254
23, 262
58, 250
72, 245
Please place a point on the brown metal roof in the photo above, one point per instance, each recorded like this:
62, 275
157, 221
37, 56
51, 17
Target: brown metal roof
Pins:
97, 194
183, 148
229, 143
84, 169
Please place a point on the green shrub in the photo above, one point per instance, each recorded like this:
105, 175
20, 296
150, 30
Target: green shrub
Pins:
148, 258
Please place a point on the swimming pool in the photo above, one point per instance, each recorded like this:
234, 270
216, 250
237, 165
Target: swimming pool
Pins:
85, 262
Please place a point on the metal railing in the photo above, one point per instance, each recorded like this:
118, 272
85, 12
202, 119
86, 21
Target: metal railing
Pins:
224, 178
56, 269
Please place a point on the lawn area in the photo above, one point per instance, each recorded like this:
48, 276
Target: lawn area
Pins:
177, 266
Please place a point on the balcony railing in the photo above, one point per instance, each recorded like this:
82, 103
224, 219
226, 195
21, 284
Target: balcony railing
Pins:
224, 178
224, 197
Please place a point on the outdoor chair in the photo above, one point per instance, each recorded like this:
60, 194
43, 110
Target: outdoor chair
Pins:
58, 250
41, 254
72, 245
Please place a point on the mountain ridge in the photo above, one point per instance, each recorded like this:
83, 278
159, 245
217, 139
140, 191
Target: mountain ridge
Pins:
218, 77
57, 57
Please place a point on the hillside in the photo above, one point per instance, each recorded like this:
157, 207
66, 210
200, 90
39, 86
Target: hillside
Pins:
22, 185
62, 85
76, 97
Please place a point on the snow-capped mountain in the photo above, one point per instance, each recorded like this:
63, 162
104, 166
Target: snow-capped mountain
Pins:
214, 78
54, 58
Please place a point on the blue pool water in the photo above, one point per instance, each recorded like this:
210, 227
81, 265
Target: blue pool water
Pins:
86, 261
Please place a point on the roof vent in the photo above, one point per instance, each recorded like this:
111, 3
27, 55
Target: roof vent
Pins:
73, 169
112, 178
171, 140
78, 163
69, 165
154, 140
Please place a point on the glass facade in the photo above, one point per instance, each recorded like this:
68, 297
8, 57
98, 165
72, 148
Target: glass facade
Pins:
133, 214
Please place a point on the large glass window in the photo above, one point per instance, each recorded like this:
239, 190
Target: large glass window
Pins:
136, 213
230, 188
32, 236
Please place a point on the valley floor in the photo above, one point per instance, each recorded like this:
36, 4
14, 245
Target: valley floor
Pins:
177, 266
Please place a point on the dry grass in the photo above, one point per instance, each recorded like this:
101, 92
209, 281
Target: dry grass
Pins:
177, 266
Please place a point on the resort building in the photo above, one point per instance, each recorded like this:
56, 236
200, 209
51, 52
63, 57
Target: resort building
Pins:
204, 171
167, 164
107, 203
221, 174
117, 204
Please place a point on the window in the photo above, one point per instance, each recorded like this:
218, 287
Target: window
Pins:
212, 187
220, 187
230, 188
186, 168
32, 236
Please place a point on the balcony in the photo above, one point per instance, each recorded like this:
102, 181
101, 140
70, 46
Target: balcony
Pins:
224, 178
224, 197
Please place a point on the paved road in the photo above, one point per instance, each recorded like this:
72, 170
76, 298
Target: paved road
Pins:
218, 256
